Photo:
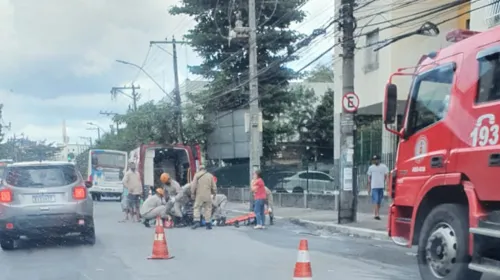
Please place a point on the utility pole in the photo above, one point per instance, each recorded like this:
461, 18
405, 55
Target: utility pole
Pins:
98, 131
135, 96
111, 114
177, 91
348, 191
255, 150
89, 139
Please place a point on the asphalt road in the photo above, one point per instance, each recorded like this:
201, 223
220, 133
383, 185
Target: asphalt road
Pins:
224, 253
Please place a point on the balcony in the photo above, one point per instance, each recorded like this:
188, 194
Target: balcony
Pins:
492, 13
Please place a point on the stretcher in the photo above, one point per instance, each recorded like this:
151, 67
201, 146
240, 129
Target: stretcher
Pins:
246, 219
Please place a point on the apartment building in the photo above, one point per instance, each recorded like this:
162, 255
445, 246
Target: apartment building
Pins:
378, 22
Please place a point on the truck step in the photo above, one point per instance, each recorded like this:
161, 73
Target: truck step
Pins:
485, 265
403, 220
485, 232
494, 217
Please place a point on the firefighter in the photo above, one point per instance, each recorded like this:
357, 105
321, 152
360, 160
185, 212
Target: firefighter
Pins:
269, 204
219, 209
202, 189
172, 188
180, 200
154, 206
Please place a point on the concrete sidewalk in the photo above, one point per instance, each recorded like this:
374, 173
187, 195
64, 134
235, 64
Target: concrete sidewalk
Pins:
325, 220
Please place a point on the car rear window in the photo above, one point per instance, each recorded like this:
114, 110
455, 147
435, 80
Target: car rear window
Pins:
40, 176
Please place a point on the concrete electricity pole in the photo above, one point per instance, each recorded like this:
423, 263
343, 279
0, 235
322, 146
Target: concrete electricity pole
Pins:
348, 191
177, 91
135, 96
110, 114
254, 91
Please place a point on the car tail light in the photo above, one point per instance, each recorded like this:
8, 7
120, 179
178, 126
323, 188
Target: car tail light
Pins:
79, 193
5, 195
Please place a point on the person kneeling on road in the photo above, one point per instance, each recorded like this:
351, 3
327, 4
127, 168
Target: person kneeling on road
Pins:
219, 209
180, 201
154, 206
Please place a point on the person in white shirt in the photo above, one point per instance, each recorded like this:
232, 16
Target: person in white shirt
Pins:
377, 178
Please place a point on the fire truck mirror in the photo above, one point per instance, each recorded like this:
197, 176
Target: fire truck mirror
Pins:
391, 100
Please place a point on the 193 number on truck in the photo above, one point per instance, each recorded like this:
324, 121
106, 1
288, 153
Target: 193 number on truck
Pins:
485, 134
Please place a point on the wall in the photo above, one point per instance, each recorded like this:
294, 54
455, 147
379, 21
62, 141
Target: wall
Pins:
312, 201
484, 18
229, 138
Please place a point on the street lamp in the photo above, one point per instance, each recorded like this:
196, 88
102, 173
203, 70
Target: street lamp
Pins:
95, 127
147, 74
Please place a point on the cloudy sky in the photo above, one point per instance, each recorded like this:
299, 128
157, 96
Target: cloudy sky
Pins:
57, 59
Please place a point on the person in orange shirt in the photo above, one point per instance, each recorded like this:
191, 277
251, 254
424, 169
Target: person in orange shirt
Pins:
259, 194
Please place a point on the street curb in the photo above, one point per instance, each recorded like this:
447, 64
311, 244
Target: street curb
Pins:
334, 228
342, 229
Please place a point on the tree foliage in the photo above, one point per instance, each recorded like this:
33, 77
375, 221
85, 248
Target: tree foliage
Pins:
320, 129
24, 149
226, 63
322, 73
1, 125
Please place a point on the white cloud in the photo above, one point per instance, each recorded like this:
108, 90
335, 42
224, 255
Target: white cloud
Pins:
88, 36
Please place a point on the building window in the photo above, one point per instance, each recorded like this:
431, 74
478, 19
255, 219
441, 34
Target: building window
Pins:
371, 57
488, 86
467, 24
430, 97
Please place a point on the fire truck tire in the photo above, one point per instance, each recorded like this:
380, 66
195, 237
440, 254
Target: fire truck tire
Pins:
443, 246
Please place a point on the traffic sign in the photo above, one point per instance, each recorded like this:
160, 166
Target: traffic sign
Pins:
350, 102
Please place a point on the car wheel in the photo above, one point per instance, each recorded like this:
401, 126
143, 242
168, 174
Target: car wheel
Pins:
98, 197
88, 236
7, 244
119, 198
443, 246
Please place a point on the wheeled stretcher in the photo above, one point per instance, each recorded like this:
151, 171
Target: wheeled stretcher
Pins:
247, 219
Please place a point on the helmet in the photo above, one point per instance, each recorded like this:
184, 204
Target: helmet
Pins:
164, 178
160, 191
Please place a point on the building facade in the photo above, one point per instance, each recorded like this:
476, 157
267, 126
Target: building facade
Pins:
377, 23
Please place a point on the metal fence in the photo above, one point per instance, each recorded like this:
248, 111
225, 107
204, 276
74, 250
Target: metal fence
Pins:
369, 141
300, 169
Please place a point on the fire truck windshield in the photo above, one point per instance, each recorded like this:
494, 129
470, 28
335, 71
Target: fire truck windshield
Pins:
429, 97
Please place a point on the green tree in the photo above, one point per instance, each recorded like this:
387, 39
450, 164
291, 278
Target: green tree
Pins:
226, 63
150, 122
1, 125
24, 149
320, 129
321, 74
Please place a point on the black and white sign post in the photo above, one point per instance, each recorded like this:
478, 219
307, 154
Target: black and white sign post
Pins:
348, 192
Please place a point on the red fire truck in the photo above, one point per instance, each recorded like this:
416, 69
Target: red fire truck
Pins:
444, 187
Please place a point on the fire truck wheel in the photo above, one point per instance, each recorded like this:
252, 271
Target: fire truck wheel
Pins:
443, 245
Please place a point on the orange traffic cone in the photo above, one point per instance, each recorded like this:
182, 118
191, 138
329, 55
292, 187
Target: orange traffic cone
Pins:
303, 265
160, 247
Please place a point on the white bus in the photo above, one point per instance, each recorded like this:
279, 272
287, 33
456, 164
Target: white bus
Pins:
106, 169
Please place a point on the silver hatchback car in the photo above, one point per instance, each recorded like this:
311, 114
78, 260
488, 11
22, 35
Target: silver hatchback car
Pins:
44, 199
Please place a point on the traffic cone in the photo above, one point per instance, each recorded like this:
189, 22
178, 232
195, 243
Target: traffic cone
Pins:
160, 247
303, 265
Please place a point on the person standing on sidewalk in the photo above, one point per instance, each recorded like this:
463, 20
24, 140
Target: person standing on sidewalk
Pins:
259, 196
377, 178
269, 204
132, 181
